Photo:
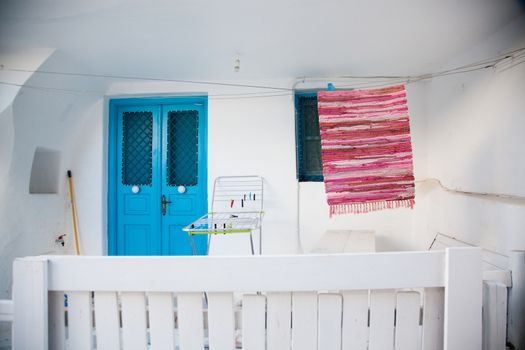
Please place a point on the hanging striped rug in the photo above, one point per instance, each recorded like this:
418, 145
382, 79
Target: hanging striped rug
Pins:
366, 149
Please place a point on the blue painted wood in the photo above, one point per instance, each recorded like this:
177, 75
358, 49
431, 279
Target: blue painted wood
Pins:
302, 174
138, 221
135, 223
188, 206
112, 179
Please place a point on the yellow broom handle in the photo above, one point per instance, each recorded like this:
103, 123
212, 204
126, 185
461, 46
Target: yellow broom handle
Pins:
73, 210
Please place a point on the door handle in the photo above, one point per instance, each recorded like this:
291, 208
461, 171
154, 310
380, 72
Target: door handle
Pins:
163, 203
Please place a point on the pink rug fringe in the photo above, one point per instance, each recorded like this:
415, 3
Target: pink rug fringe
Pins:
359, 208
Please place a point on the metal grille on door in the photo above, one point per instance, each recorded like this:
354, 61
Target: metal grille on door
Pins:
183, 148
137, 136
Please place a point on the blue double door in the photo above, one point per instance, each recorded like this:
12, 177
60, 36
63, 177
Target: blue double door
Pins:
161, 176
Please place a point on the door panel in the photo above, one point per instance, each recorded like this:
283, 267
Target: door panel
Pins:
138, 227
157, 147
137, 204
183, 166
137, 239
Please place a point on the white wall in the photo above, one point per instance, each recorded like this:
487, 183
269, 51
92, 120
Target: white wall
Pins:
31, 222
246, 136
475, 141
475, 130
31, 59
466, 131
62, 121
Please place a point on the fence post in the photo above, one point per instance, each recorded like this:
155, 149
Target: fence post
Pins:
30, 323
494, 315
516, 306
463, 299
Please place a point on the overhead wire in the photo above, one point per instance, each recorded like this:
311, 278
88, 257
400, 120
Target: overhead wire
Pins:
506, 61
100, 92
247, 96
50, 88
124, 77
97, 92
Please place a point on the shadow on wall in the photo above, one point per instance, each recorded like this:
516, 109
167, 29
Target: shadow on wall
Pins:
38, 137
45, 171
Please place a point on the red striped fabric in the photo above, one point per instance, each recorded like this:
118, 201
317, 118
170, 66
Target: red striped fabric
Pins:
366, 149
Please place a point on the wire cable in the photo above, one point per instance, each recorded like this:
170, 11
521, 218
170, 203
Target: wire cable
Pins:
511, 58
100, 92
123, 77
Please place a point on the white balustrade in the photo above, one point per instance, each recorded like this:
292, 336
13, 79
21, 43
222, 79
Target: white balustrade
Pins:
346, 301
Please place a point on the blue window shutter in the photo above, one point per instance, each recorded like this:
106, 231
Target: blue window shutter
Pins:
308, 138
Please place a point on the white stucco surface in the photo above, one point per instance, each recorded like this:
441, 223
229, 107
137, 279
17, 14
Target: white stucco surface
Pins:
475, 128
466, 131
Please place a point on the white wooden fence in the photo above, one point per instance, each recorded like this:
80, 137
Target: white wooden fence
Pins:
377, 301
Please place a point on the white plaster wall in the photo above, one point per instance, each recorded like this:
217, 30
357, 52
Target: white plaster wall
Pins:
87, 160
245, 136
32, 59
34, 117
31, 222
251, 136
256, 136
466, 130
28, 58
475, 129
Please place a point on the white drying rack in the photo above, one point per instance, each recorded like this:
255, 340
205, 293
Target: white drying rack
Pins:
236, 207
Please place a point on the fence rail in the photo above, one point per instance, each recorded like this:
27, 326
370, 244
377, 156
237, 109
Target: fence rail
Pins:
351, 301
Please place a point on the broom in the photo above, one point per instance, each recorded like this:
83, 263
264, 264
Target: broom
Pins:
73, 210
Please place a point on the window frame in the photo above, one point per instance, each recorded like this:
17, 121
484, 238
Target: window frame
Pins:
301, 176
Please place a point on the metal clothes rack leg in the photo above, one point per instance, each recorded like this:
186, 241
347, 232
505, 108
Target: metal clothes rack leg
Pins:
193, 244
